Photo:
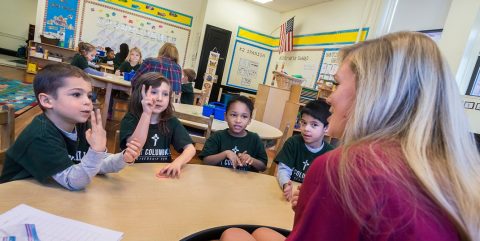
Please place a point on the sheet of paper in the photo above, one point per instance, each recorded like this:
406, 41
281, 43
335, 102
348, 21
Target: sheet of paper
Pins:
55, 228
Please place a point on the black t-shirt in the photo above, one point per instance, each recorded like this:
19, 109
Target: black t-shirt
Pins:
187, 94
42, 150
127, 67
222, 140
157, 145
296, 155
80, 61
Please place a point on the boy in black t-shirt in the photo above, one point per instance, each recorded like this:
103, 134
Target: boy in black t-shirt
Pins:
188, 77
59, 143
299, 151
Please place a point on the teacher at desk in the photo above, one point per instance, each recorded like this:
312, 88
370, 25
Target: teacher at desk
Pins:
408, 168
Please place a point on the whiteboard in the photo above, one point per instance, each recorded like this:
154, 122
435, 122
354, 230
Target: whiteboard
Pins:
298, 62
249, 66
107, 26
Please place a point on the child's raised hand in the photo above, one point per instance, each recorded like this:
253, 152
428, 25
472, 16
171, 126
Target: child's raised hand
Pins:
132, 151
233, 158
287, 191
171, 170
245, 158
148, 102
96, 135
295, 195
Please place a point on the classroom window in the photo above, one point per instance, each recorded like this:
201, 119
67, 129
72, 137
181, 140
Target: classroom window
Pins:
474, 86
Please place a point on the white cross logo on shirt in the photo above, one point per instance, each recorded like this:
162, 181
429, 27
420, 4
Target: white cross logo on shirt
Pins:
155, 138
235, 150
305, 164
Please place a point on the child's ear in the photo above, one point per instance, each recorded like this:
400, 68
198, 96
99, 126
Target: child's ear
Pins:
45, 100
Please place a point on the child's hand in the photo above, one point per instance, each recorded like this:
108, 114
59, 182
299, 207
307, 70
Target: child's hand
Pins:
233, 158
96, 135
245, 159
287, 191
132, 152
148, 102
295, 195
171, 170
117, 72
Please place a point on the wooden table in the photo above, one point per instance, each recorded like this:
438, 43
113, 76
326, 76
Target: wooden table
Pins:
109, 82
265, 131
144, 207
106, 68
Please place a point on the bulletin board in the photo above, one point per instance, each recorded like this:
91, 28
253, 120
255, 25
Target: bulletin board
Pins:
298, 62
60, 20
110, 26
329, 65
249, 66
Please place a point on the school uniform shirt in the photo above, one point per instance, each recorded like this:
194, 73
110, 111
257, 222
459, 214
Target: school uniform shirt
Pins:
127, 67
167, 67
118, 60
187, 94
157, 145
79, 61
222, 140
42, 150
297, 157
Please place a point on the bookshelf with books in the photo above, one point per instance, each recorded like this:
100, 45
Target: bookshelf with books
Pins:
42, 54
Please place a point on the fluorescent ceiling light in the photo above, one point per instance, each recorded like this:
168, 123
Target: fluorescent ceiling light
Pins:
262, 1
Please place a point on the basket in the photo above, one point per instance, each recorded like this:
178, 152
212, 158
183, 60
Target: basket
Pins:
51, 41
286, 81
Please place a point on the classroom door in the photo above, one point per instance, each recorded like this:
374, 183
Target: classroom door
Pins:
214, 38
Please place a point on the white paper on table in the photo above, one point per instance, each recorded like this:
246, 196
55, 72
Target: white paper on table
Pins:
52, 227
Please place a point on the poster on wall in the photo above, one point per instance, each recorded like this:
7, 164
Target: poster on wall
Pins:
60, 20
329, 65
249, 66
299, 62
209, 78
108, 26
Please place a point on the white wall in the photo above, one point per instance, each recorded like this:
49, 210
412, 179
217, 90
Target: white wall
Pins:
15, 16
229, 14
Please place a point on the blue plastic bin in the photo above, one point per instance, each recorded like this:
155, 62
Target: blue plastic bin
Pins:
208, 110
216, 109
128, 76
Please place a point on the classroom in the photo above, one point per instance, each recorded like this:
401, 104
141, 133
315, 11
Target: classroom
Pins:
198, 120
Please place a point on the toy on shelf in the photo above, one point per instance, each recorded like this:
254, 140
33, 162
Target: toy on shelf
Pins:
285, 81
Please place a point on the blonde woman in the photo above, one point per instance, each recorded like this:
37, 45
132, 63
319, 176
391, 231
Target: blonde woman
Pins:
132, 62
408, 168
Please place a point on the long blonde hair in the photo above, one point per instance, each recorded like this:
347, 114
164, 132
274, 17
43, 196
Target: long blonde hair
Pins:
405, 94
139, 52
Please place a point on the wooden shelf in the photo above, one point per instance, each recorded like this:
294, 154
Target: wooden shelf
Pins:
58, 52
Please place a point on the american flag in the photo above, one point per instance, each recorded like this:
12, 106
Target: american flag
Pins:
286, 36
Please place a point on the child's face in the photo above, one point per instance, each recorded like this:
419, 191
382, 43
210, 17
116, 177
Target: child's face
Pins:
162, 96
312, 130
184, 78
238, 117
72, 105
111, 55
134, 57
91, 55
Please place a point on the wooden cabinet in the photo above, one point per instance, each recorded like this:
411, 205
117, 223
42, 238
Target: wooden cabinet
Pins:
49, 54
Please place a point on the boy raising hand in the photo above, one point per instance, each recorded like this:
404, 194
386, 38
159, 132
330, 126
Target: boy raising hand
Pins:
59, 144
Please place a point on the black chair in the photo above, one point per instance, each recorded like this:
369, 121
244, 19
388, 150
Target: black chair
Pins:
216, 232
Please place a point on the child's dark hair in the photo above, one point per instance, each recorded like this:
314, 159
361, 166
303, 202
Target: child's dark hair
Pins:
52, 77
318, 109
85, 48
108, 50
150, 79
124, 50
190, 73
243, 99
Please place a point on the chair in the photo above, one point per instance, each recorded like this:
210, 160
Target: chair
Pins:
207, 130
216, 232
273, 167
7, 131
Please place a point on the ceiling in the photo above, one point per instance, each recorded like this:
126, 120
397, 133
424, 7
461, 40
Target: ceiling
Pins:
288, 5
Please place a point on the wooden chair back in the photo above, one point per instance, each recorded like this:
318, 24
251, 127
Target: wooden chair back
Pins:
205, 121
273, 167
7, 130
